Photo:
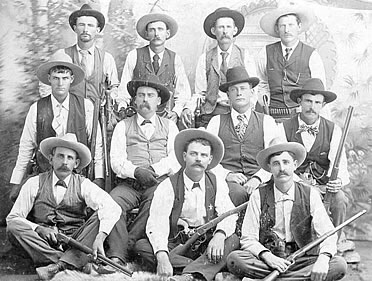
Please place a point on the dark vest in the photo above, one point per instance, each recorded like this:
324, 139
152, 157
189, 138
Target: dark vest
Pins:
90, 87
300, 224
215, 77
44, 119
179, 197
319, 151
69, 214
240, 156
284, 76
166, 73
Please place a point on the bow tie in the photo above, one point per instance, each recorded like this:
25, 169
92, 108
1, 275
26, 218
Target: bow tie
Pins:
309, 129
144, 122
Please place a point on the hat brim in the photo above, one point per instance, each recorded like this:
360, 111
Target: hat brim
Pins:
43, 71
133, 85
87, 13
186, 135
211, 19
297, 148
251, 80
146, 19
268, 21
297, 93
47, 145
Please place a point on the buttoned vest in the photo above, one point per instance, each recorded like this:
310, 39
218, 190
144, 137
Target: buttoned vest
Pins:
69, 214
319, 151
179, 197
215, 77
141, 151
240, 155
90, 87
284, 76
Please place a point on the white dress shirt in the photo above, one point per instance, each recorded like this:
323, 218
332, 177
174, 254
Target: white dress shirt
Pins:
28, 143
97, 199
182, 93
124, 168
157, 228
251, 224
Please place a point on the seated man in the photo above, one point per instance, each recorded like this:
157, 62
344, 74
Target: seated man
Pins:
57, 201
282, 216
193, 196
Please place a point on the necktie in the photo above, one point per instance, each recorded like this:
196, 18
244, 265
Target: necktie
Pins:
61, 183
144, 122
155, 63
195, 185
84, 61
223, 67
58, 121
309, 129
241, 126
287, 52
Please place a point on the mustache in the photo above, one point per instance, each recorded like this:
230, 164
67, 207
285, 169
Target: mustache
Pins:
64, 169
310, 111
283, 174
145, 105
197, 164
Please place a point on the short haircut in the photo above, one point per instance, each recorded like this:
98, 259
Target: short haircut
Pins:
202, 141
291, 14
60, 69
279, 153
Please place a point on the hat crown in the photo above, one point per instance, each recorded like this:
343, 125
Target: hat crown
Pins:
69, 137
238, 73
86, 7
314, 84
150, 78
60, 56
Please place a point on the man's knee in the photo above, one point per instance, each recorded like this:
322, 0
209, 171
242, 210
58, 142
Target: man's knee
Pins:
340, 198
237, 193
16, 227
337, 269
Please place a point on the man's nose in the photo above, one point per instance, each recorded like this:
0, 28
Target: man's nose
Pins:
60, 81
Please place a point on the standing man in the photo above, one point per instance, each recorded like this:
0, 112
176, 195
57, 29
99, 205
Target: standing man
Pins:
321, 139
55, 115
288, 63
156, 59
283, 216
193, 196
142, 155
56, 201
244, 133
223, 25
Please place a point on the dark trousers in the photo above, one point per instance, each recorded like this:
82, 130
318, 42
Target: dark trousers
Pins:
189, 262
238, 193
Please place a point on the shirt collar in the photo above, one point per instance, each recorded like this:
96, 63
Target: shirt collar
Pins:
90, 50
140, 119
293, 47
279, 196
65, 103
234, 114
302, 122
152, 54
55, 179
229, 50
189, 183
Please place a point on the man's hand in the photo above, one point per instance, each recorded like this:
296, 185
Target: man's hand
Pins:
252, 184
275, 262
48, 234
237, 177
186, 118
145, 177
100, 182
334, 186
320, 268
164, 266
172, 116
216, 246
98, 244
14, 192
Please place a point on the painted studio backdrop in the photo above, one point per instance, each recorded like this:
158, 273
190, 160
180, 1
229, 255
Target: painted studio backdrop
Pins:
30, 31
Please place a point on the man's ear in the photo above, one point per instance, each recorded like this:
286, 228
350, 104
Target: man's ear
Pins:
50, 158
159, 100
49, 78
72, 79
210, 159
298, 100
168, 33
276, 29
184, 156
77, 163
235, 30
295, 163
213, 30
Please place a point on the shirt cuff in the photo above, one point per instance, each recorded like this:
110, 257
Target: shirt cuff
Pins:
16, 177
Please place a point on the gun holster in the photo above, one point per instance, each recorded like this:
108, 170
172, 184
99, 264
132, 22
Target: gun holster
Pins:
278, 246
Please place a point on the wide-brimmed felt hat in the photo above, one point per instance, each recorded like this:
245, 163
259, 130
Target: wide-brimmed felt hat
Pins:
313, 86
238, 75
268, 21
87, 11
153, 17
149, 81
186, 135
223, 12
277, 145
69, 141
60, 59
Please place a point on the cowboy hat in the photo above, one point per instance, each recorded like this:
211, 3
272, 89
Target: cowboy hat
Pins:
238, 75
313, 86
69, 141
149, 81
187, 135
269, 20
60, 59
149, 18
87, 11
223, 12
276, 145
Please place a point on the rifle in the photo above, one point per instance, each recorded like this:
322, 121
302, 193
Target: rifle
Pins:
93, 139
201, 230
300, 252
328, 196
77, 245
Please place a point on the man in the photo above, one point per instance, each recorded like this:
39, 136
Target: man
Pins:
55, 115
223, 25
288, 63
281, 217
321, 139
191, 197
158, 60
142, 155
244, 133
57, 201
